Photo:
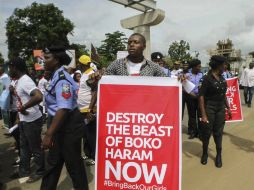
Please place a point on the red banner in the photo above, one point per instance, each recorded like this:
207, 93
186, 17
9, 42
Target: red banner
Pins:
139, 134
234, 100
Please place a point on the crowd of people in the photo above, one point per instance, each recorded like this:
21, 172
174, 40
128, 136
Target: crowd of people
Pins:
66, 102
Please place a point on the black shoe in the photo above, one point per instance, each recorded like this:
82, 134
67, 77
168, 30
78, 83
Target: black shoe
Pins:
249, 105
2, 186
8, 134
204, 159
15, 175
90, 162
16, 163
193, 135
33, 178
218, 161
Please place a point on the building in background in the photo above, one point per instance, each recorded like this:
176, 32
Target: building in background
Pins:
226, 48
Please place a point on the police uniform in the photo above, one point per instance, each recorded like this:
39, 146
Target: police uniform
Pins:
214, 92
61, 93
192, 104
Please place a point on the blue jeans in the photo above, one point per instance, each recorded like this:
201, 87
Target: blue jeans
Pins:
30, 144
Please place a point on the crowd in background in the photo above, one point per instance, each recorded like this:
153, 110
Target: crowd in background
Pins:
65, 101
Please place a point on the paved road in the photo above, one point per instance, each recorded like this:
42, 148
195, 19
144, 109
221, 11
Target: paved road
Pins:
236, 173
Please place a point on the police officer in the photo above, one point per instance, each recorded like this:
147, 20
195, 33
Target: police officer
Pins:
157, 57
192, 98
63, 137
186, 70
213, 101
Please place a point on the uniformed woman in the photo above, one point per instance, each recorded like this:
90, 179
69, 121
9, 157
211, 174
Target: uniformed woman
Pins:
213, 101
63, 137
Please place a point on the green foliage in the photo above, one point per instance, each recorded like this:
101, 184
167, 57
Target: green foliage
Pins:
113, 43
104, 62
79, 50
36, 27
178, 51
169, 63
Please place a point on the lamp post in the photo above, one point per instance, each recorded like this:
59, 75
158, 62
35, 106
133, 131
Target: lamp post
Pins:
141, 23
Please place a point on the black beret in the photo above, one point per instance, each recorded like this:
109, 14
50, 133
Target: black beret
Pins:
54, 49
156, 55
218, 59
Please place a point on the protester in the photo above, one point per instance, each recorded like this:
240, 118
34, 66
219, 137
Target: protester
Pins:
4, 95
42, 85
28, 96
157, 57
186, 68
135, 64
247, 81
213, 101
14, 118
77, 76
176, 71
192, 98
85, 95
227, 71
63, 137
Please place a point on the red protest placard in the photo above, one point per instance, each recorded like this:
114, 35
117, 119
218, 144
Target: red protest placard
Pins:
139, 134
234, 100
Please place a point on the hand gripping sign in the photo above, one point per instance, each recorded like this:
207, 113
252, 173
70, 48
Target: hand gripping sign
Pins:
234, 100
139, 133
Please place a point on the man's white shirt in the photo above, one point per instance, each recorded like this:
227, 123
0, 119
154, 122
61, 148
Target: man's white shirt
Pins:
25, 85
247, 78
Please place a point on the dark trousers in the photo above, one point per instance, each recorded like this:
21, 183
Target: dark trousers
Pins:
216, 117
30, 143
66, 149
184, 101
13, 118
248, 93
15, 133
90, 139
193, 113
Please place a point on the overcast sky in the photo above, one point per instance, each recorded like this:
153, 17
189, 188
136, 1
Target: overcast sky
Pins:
200, 22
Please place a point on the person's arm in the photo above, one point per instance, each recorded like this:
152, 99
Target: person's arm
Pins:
111, 69
12, 90
93, 100
57, 121
90, 115
204, 117
35, 94
36, 98
159, 71
228, 108
64, 100
202, 93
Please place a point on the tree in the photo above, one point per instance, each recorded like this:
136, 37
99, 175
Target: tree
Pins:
178, 51
36, 27
80, 49
113, 43
1, 59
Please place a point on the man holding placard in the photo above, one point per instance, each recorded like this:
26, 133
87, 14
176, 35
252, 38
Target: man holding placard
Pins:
137, 123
